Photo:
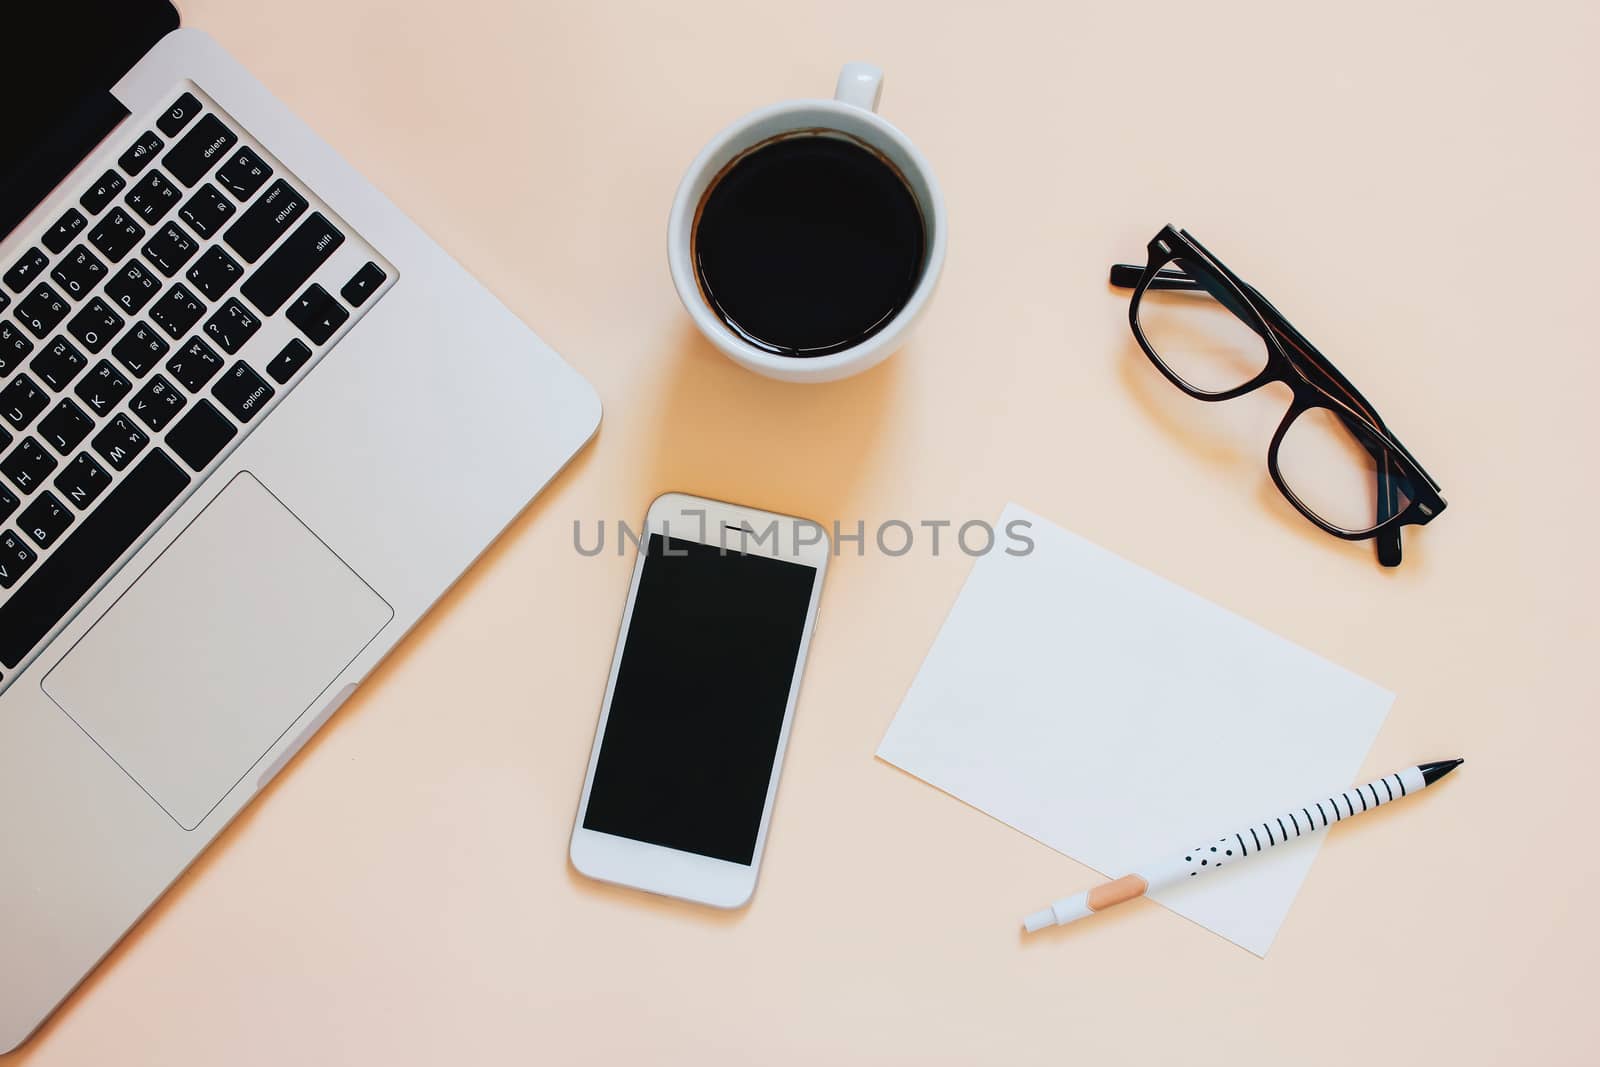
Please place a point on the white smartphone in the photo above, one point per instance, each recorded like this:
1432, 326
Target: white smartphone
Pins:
678, 796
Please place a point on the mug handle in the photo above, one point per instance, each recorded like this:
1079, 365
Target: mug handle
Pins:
860, 84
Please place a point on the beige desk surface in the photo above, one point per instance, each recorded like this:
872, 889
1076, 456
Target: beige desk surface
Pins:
1413, 184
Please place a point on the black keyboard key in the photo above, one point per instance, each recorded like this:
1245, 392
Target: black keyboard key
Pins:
132, 287
21, 401
194, 365
15, 557
137, 157
79, 272
243, 173
363, 285
45, 520
290, 359
65, 427
66, 228
206, 210
25, 270
282, 274
108, 531
42, 310
152, 197
205, 143
116, 234
4, 300
82, 482
14, 347
28, 465
266, 221
157, 403
103, 388
101, 192
58, 363
8, 500
317, 314
140, 349
176, 311
170, 249
178, 115
200, 435
232, 326
119, 442
214, 273
95, 324
242, 391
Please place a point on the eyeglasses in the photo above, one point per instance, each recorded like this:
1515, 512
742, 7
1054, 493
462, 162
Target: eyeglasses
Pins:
1215, 337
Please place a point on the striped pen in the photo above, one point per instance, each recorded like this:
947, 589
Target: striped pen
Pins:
1202, 859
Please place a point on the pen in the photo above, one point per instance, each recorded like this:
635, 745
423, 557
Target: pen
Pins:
1231, 848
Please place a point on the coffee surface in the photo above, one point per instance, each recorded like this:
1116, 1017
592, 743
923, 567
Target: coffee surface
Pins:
808, 245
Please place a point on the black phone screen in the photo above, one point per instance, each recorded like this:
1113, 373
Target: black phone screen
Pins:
699, 701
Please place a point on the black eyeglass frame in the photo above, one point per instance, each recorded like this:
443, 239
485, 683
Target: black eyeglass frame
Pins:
1297, 363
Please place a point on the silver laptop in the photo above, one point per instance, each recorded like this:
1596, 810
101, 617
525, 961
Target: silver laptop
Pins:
252, 424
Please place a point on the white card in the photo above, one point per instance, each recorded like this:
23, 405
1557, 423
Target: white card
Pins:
1119, 718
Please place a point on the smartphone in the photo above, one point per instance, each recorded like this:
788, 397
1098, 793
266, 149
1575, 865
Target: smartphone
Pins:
679, 791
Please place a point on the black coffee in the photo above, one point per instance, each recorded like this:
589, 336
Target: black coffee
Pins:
808, 245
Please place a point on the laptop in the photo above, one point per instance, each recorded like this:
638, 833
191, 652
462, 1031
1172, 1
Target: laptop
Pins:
253, 423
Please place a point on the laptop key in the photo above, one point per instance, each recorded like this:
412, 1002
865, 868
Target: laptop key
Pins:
194, 365
14, 347
206, 210
101, 192
200, 435
66, 228
132, 287
65, 426
103, 388
8, 501
119, 442
21, 401
121, 519
152, 197
279, 208
28, 465
82, 482
58, 363
242, 391
363, 284
178, 115
142, 151
243, 173
79, 272
95, 324
317, 314
42, 310
26, 268
45, 520
290, 359
232, 326
116, 234
206, 142
140, 349
157, 403
15, 556
282, 273
170, 249
177, 311
214, 273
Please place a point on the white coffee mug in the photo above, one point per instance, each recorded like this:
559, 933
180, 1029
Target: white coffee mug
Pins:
852, 113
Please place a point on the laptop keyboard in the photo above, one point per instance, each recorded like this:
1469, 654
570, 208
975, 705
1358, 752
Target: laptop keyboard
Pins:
167, 306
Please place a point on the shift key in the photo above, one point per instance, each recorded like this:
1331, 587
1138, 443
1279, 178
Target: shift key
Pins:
279, 208
282, 274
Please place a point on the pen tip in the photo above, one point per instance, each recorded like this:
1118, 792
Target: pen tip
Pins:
1432, 772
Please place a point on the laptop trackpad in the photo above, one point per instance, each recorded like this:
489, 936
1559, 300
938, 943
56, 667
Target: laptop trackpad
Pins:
226, 639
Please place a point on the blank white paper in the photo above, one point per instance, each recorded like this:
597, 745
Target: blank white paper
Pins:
1119, 718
